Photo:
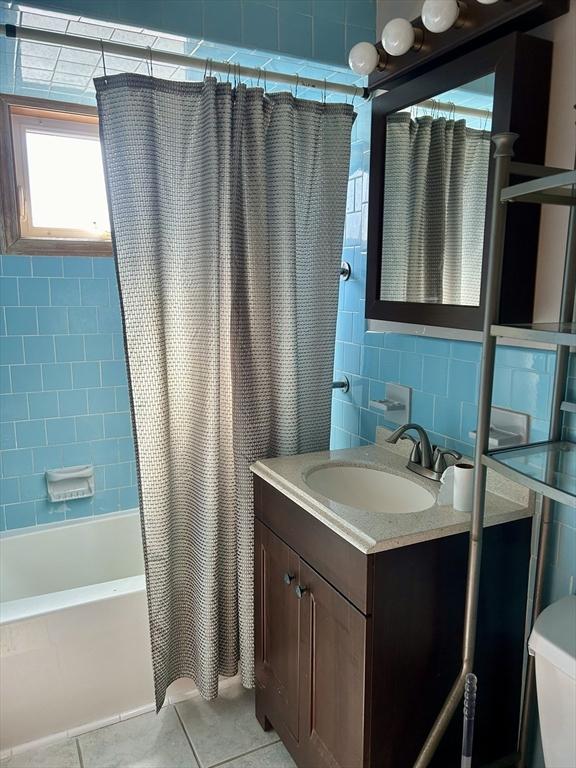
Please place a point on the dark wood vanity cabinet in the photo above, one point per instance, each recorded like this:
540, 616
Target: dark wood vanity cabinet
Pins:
355, 653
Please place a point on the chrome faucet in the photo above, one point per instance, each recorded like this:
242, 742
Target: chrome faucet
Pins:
425, 459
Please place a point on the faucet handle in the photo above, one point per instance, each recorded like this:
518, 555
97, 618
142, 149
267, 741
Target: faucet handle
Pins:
439, 460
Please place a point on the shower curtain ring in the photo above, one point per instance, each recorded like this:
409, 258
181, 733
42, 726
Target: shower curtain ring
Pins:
296, 86
324, 94
103, 61
258, 79
150, 66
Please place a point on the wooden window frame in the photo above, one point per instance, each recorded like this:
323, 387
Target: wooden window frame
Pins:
15, 234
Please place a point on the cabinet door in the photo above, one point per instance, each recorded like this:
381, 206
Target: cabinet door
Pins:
277, 618
332, 675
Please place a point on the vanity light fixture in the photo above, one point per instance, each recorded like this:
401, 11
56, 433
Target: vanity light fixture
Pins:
364, 58
440, 15
399, 36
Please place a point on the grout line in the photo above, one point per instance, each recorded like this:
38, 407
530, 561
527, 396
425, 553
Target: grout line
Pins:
243, 754
187, 737
80, 758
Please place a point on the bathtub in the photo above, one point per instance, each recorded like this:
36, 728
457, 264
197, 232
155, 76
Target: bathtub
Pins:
74, 641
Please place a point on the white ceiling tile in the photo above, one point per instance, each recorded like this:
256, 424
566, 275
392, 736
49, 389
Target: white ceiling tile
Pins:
79, 56
165, 71
38, 49
169, 44
36, 75
35, 62
90, 30
64, 78
132, 38
46, 12
120, 63
73, 68
40, 21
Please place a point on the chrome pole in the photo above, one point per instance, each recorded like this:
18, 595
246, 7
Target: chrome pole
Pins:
178, 59
503, 153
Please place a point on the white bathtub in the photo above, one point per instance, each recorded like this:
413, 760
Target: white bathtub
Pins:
74, 642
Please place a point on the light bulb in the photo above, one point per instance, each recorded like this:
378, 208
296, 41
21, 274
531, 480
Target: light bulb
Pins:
398, 37
439, 15
487, 2
363, 58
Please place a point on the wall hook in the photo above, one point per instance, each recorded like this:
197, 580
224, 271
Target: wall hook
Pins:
343, 384
345, 271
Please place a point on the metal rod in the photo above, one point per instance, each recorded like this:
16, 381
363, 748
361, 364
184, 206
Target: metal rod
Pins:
502, 156
343, 384
555, 433
468, 724
178, 59
447, 106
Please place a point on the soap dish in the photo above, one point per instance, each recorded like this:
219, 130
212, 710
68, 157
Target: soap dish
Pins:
70, 483
387, 405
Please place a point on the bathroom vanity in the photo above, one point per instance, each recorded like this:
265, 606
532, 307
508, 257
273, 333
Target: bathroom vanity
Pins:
359, 615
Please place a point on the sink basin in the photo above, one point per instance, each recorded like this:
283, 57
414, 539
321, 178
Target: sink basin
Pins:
369, 489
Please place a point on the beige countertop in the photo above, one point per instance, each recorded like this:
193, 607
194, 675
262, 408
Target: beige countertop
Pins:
375, 532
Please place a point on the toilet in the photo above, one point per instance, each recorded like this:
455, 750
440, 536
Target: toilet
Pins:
553, 644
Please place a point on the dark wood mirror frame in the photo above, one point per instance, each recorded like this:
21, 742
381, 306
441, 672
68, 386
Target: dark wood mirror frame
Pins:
521, 65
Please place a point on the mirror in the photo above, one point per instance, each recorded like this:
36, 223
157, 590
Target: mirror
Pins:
437, 160
430, 206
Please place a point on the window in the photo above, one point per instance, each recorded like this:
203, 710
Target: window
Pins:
54, 196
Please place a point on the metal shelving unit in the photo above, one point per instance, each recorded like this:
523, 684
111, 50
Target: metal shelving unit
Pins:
546, 468
547, 333
557, 189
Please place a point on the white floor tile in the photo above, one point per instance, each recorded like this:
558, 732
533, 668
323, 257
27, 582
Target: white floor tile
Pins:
273, 756
225, 728
61, 755
148, 741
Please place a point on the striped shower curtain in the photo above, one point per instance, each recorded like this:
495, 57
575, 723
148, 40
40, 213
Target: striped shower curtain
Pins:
227, 209
435, 179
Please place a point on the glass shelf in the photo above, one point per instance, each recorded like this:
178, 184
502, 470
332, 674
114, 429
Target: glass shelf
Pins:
547, 333
558, 189
547, 468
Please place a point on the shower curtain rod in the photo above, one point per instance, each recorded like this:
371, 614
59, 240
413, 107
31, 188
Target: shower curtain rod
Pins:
450, 107
179, 59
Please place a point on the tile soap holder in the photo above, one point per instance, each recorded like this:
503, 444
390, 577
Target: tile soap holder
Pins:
396, 405
70, 483
507, 428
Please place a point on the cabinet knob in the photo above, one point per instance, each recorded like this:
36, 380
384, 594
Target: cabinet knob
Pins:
300, 590
288, 577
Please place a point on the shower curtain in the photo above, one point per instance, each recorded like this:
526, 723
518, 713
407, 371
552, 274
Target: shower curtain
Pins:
227, 209
435, 180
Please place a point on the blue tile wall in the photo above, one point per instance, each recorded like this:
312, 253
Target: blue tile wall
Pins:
323, 30
64, 391
443, 374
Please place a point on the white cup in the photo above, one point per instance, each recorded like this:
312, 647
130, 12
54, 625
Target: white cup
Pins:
460, 479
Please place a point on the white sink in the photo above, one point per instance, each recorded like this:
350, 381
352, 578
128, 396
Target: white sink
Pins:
369, 489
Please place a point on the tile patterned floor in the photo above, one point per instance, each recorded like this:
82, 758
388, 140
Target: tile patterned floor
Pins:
193, 734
